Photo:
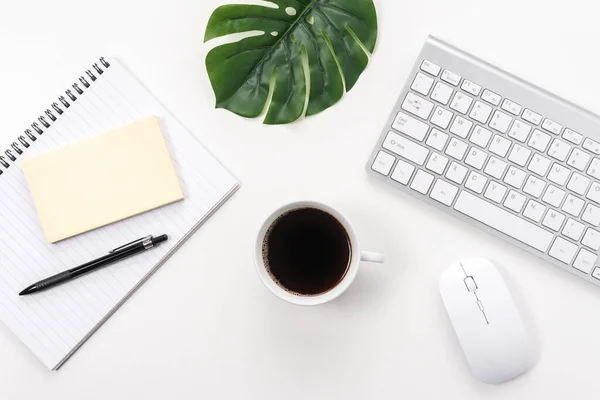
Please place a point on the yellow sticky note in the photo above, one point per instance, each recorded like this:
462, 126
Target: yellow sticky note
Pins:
101, 180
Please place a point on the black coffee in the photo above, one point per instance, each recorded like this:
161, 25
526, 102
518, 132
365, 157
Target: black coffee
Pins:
307, 251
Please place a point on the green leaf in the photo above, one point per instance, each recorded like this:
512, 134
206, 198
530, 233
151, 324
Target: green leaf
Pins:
304, 43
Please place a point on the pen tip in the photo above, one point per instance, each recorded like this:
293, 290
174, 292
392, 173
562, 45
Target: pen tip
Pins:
27, 290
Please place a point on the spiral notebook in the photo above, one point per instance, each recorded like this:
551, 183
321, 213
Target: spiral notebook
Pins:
55, 323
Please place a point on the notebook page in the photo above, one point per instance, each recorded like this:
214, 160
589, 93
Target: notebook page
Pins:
54, 323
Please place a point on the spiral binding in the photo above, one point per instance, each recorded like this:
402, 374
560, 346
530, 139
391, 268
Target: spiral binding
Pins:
51, 115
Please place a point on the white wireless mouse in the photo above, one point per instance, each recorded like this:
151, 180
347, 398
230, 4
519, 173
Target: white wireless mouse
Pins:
486, 321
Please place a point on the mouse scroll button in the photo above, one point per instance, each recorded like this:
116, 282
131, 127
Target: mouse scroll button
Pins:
470, 284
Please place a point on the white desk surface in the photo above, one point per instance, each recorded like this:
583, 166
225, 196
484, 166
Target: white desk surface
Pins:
204, 327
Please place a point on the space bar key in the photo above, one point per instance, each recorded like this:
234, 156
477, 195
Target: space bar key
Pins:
503, 221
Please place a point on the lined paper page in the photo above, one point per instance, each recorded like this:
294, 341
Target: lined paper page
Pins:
54, 323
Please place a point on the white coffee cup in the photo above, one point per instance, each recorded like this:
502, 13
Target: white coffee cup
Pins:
311, 300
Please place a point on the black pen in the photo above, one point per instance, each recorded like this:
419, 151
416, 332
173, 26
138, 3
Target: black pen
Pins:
127, 250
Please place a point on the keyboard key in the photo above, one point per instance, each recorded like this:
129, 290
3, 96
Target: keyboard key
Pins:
534, 186
563, 250
539, 140
539, 165
417, 106
383, 163
596, 273
552, 126
441, 117
503, 221
476, 182
559, 174
422, 182
573, 205
437, 139
461, 127
456, 173
405, 148
592, 146
456, 149
579, 159
515, 177
591, 239
430, 68
585, 261
511, 107
532, 117
572, 136
481, 136
481, 112
461, 102
534, 210
591, 215
594, 192
443, 192
559, 150
476, 158
495, 191
410, 126
554, 196
422, 84
578, 184
519, 155
471, 87
403, 172
553, 220
437, 163
515, 201
500, 121
500, 146
573, 229
519, 131
594, 169
495, 168
441, 93
490, 97
450, 77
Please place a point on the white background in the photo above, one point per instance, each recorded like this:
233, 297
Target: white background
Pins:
204, 327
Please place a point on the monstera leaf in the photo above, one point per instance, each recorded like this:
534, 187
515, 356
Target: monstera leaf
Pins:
308, 53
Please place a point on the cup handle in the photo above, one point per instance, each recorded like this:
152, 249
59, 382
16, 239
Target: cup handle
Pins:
370, 256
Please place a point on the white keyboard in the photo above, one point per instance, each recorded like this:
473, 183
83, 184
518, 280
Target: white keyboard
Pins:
498, 152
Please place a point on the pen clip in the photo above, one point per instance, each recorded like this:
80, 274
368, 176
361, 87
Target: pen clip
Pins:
142, 239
